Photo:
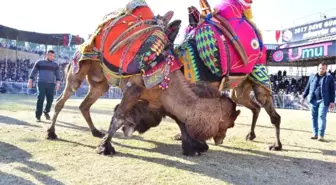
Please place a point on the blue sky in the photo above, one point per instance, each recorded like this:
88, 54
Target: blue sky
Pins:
82, 17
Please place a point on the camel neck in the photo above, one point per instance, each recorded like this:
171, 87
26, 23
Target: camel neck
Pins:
178, 99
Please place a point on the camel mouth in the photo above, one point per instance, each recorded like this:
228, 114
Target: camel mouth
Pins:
128, 130
218, 141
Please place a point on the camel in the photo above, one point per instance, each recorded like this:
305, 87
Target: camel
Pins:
224, 108
240, 94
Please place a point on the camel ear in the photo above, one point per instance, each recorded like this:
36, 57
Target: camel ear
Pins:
173, 29
167, 17
194, 16
235, 115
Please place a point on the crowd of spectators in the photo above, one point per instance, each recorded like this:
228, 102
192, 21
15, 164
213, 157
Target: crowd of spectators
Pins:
281, 83
15, 71
19, 48
19, 70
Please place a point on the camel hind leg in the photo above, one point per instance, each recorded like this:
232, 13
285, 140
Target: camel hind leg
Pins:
264, 97
73, 82
241, 95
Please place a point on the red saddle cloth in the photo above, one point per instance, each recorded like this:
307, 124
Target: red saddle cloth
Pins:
139, 46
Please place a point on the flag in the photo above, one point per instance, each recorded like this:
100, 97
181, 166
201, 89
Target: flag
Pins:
78, 39
277, 35
64, 40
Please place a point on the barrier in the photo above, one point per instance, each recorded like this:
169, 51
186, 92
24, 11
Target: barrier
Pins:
21, 88
281, 101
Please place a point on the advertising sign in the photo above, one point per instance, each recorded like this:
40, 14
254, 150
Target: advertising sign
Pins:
306, 52
309, 31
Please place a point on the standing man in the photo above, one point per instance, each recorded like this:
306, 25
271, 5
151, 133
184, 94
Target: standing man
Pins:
320, 90
48, 80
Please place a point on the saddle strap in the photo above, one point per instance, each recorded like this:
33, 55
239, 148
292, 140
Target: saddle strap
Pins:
205, 7
229, 31
223, 83
130, 29
135, 35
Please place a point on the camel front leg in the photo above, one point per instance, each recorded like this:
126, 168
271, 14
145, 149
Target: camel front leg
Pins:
131, 96
105, 146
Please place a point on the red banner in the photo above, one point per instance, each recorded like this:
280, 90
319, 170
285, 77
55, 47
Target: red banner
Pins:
277, 35
78, 39
65, 42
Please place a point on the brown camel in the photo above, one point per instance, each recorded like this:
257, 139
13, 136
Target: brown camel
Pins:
92, 69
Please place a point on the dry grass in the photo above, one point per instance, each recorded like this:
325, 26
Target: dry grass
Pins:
154, 158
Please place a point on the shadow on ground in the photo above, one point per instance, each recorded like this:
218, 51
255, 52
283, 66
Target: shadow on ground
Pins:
73, 108
14, 121
12, 154
245, 167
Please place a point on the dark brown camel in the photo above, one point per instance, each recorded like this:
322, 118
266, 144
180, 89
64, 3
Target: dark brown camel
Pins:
241, 95
181, 102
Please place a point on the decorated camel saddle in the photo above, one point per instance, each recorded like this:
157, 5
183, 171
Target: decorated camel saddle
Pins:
131, 41
226, 41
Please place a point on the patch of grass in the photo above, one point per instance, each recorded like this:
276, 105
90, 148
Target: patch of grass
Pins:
26, 157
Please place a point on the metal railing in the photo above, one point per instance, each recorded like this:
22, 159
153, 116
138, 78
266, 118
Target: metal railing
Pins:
21, 88
282, 101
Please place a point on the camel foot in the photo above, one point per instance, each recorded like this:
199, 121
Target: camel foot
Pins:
276, 147
51, 135
202, 147
97, 133
189, 149
177, 137
105, 148
251, 136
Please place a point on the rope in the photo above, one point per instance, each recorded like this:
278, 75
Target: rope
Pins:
134, 35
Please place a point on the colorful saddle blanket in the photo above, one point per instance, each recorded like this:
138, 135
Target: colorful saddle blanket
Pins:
260, 76
134, 38
195, 70
128, 42
218, 52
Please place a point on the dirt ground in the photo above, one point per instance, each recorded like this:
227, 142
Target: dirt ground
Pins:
27, 158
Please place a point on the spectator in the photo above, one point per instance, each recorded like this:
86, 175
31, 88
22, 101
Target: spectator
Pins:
48, 80
321, 96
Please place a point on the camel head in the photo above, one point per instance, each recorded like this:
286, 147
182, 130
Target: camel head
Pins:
141, 118
226, 124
